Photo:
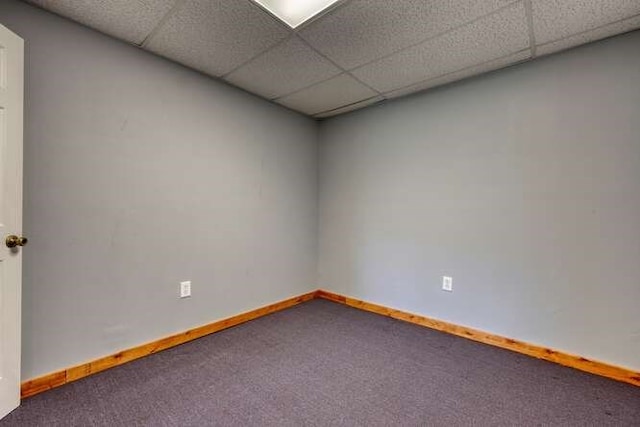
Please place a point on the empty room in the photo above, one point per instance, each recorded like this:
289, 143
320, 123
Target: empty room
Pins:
320, 212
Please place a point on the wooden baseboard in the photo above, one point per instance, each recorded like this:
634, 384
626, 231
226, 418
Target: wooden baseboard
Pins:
539, 352
56, 379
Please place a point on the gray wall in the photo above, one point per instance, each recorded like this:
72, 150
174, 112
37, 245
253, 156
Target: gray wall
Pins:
523, 185
139, 174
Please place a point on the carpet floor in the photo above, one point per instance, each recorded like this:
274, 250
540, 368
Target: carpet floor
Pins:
325, 364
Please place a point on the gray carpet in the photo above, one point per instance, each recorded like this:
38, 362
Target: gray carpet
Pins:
323, 364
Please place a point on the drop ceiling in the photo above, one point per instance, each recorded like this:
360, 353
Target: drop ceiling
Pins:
356, 53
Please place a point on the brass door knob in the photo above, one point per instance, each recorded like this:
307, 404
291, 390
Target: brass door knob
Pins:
12, 241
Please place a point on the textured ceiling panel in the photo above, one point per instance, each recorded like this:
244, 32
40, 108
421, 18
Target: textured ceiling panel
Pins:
556, 19
350, 107
363, 30
350, 55
216, 36
331, 94
589, 36
129, 20
489, 38
462, 74
290, 66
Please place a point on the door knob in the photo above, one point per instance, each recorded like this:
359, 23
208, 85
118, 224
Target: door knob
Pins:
12, 241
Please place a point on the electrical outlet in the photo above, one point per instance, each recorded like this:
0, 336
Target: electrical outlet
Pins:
185, 289
447, 283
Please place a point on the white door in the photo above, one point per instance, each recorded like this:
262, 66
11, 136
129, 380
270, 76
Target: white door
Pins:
11, 93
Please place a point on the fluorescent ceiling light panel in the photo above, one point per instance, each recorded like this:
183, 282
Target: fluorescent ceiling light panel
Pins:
295, 12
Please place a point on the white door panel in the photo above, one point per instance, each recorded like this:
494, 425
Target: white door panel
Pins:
11, 110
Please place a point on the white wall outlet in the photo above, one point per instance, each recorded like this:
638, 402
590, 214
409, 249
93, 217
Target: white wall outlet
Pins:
185, 289
447, 283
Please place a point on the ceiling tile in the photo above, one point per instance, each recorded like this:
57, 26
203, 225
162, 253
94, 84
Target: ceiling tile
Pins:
462, 74
216, 36
328, 95
395, 47
590, 36
556, 19
129, 20
288, 67
363, 30
486, 39
351, 107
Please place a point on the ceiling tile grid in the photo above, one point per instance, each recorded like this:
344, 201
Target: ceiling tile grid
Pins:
487, 38
557, 19
128, 20
351, 107
331, 94
589, 36
365, 30
216, 36
462, 74
288, 67
357, 53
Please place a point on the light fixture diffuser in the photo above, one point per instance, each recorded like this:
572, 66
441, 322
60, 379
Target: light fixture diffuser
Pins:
295, 12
